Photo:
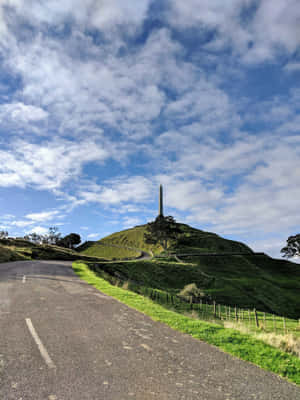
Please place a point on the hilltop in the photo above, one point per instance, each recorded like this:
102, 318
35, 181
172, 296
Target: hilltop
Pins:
191, 240
236, 277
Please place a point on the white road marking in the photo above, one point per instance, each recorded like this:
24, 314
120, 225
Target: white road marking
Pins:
40, 345
24, 279
146, 347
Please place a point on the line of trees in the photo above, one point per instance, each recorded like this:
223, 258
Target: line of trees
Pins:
54, 237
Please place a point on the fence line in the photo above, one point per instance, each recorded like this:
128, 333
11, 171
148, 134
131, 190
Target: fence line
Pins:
221, 313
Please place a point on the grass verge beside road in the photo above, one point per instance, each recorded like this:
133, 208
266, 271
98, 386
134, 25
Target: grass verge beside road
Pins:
231, 341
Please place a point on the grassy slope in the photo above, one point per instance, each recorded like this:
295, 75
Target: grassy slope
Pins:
133, 238
192, 240
8, 254
245, 281
109, 252
231, 341
18, 249
251, 287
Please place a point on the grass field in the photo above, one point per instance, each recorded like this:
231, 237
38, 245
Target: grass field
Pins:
279, 331
110, 252
232, 341
231, 280
129, 238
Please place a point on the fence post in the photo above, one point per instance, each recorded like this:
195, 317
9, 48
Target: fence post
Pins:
235, 314
284, 326
265, 321
249, 317
274, 323
214, 309
229, 313
256, 318
219, 309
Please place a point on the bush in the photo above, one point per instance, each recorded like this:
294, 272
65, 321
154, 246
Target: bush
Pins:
192, 290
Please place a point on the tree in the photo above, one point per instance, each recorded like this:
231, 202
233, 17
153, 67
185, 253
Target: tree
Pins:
3, 234
69, 241
293, 247
52, 237
34, 238
162, 231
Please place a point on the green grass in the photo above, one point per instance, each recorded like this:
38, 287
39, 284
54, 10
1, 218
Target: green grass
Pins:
246, 281
110, 252
230, 280
231, 341
18, 249
10, 254
133, 237
160, 278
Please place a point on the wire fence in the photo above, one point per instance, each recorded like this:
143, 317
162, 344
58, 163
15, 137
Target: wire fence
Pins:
249, 318
219, 313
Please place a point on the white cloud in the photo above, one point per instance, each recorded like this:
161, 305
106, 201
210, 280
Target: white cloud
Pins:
48, 165
40, 230
255, 30
129, 222
21, 223
43, 216
93, 235
134, 189
105, 15
292, 67
20, 112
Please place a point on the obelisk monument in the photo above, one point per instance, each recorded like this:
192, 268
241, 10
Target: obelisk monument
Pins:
161, 206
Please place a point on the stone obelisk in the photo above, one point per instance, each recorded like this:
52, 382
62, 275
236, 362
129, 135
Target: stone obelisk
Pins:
161, 206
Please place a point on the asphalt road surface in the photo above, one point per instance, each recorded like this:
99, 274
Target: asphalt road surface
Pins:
62, 339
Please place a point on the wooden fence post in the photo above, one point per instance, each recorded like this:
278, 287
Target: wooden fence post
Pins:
274, 323
256, 318
284, 326
214, 309
249, 317
235, 314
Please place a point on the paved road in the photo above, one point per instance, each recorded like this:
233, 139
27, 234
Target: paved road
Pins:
61, 339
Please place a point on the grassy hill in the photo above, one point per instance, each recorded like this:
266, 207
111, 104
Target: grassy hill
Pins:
246, 280
191, 240
130, 243
19, 249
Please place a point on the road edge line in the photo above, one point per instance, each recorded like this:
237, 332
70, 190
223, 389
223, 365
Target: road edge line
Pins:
39, 344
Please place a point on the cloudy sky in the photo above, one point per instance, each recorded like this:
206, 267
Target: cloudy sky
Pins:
102, 100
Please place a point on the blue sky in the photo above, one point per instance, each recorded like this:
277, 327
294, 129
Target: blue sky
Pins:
100, 102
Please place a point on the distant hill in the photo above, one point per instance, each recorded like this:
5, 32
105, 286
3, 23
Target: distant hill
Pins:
245, 280
191, 240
